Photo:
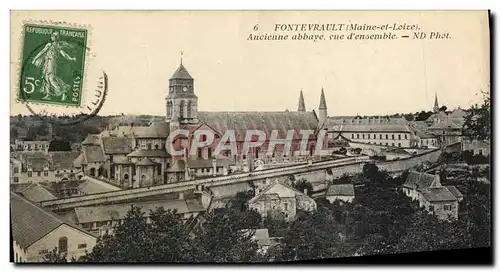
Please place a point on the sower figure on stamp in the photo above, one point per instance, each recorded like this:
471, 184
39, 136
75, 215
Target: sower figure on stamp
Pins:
48, 59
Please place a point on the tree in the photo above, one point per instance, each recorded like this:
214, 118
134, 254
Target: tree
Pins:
477, 124
302, 185
315, 237
13, 133
443, 108
423, 115
130, 241
55, 256
222, 238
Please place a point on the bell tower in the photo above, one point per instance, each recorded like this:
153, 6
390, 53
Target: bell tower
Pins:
182, 103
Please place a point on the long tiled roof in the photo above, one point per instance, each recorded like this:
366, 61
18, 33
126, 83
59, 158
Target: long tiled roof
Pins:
37, 193
159, 153
37, 164
116, 145
63, 159
240, 122
91, 140
93, 153
418, 181
422, 134
266, 190
400, 127
446, 123
438, 194
340, 190
198, 163
155, 130
90, 186
454, 191
30, 223
119, 211
145, 162
78, 161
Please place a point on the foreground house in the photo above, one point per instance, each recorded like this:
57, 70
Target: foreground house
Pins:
280, 198
439, 200
102, 219
342, 192
36, 232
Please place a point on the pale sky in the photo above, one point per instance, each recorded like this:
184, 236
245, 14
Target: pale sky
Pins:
141, 50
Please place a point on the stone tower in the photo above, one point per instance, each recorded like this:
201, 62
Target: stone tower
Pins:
182, 103
322, 110
302, 104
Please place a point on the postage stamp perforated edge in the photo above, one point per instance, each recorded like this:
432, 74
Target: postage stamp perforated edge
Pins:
87, 63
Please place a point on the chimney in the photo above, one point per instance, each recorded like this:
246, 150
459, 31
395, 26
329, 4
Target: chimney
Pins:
305, 191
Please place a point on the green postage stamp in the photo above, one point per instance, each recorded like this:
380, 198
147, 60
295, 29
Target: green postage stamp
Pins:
53, 64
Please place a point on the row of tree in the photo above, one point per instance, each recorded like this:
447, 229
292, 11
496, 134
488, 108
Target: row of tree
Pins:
381, 220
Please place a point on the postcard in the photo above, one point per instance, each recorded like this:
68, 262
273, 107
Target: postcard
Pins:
248, 136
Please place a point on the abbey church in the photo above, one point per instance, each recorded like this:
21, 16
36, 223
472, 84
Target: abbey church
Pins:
137, 157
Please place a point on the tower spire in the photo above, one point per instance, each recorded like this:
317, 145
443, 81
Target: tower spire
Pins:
436, 105
322, 100
322, 110
182, 53
302, 104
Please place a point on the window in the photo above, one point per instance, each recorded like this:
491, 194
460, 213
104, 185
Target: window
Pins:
16, 180
363, 135
399, 144
43, 251
158, 169
447, 207
16, 169
148, 146
63, 244
393, 136
406, 136
368, 136
392, 144
431, 208
399, 136
38, 173
380, 136
387, 137
45, 173
80, 246
386, 143
30, 174
156, 146
357, 136
286, 206
244, 157
352, 136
